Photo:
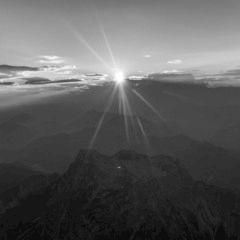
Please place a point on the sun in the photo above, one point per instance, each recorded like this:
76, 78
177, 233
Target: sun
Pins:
118, 76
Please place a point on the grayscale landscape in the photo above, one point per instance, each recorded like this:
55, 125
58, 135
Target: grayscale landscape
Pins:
119, 120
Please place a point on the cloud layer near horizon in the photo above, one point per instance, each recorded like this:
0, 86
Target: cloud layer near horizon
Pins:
52, 73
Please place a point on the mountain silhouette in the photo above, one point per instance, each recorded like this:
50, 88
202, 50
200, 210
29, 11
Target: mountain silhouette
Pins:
228, 137
203, 160
54, 153
125, 196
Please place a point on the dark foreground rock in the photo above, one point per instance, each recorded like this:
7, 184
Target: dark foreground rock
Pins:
125, 196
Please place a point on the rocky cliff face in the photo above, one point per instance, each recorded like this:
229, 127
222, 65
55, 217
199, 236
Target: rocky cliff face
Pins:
126, 196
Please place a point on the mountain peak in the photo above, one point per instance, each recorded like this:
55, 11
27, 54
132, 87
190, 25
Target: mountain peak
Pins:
102, 170
114, 197
84, 153
83, 160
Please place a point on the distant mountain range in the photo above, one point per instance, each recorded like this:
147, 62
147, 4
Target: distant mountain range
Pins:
52, 131
62, 146
125, 196
228, 137
54, 152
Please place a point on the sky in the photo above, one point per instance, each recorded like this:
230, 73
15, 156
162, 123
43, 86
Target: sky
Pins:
143, 35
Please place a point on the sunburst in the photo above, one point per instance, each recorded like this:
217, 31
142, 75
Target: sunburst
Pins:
120, 91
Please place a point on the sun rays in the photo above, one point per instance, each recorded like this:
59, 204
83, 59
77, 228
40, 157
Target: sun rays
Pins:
148, 104
100, 123
133, 124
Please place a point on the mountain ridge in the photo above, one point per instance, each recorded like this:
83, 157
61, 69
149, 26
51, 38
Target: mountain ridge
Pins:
128, 196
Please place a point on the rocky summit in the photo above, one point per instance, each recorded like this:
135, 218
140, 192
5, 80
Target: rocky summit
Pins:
124, 196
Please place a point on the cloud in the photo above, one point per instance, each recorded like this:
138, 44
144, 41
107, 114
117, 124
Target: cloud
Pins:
67, 72
175, 61
3, 74
51, 57
51, 60
51, 72
171, 71
235, 73
232, 74
147, 56
48, 77
230, 78
59, 68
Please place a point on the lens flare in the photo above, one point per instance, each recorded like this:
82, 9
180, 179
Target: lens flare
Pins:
121, 90
118, 76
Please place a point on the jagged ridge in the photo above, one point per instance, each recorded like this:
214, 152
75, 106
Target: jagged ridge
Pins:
131, 196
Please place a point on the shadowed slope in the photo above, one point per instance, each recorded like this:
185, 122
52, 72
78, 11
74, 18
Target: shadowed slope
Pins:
128, 196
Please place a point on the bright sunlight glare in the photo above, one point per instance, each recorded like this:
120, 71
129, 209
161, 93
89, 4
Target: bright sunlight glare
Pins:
119, 76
